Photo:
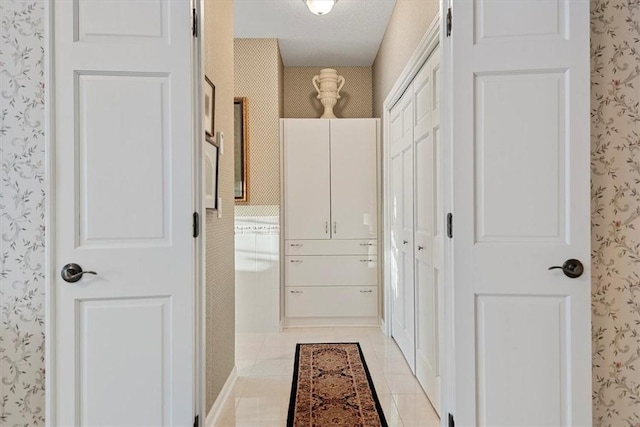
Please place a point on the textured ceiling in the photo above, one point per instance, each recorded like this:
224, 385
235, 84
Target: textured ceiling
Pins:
349, 35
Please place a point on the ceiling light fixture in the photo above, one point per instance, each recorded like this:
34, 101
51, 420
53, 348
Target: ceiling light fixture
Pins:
320, 7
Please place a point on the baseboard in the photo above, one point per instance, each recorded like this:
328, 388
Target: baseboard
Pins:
216, 408
383, 328
310, 322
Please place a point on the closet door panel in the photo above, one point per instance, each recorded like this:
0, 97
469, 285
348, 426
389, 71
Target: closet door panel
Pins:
306, 179
353, 178
403, 290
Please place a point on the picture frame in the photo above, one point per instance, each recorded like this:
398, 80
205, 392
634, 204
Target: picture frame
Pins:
209, 106
211, 170
241, 149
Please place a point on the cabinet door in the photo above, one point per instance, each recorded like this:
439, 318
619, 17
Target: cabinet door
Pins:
353, 178
306, 179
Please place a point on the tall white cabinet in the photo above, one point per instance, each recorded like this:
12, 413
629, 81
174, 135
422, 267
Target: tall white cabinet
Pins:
330, 206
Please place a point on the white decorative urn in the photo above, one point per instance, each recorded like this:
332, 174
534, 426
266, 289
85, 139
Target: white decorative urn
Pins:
328, 84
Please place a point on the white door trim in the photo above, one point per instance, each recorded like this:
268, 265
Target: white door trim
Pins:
433, 38
50, 220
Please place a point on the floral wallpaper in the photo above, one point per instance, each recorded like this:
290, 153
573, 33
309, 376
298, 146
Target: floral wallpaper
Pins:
22, 213
615, 48
615, 211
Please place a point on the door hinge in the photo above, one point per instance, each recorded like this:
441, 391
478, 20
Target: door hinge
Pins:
449, 22
452, 423
196, 224
194, 23
196, 421
450, 225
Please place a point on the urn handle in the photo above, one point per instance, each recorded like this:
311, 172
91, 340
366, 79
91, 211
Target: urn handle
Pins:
315, 81
341, 83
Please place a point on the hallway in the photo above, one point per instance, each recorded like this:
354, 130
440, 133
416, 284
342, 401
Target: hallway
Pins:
260, 397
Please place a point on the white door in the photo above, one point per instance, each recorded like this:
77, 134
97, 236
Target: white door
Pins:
520, 86
354, 202
401, 218
123, 352
429, 237
306, 179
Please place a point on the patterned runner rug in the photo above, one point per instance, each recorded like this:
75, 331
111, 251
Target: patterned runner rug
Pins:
332, 387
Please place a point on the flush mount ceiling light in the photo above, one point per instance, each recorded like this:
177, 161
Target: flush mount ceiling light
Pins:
320, 7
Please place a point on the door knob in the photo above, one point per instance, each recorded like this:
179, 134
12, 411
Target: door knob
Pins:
571, 268
73, 272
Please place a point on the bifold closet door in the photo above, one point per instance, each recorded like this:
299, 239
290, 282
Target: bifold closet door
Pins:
307, 182
353, 179
401, 216
428, 237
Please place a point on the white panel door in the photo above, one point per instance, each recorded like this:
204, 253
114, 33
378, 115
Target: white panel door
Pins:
401, 218
428, 226
354, 201
307, 205
123, 352
520, 87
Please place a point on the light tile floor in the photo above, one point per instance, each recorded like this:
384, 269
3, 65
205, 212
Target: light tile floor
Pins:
265, 369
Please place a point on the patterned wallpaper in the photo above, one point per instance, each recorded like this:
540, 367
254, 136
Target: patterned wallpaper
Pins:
615, 193
257, 77
22, 213
220, 292
356, 97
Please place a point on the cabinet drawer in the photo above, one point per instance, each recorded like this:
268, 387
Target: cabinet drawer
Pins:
331, 247
360, 270
331, 301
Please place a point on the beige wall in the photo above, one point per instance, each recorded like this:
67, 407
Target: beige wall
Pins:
220, 293
407, 26
258, 69
300, 96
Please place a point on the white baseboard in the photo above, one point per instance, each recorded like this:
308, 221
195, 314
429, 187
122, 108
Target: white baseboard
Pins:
383, 327
216, 408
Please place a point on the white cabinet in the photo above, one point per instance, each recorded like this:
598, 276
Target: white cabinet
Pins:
307, 191
330, 178
330, 219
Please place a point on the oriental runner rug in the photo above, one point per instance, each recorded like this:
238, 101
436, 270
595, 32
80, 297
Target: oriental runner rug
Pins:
332, 387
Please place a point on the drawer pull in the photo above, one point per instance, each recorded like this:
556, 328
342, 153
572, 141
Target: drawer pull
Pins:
366, 244
366, 292
299, 292
296, 261
366, 260
296, 245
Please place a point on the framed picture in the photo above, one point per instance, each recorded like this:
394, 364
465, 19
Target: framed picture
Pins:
209, 106
211, 168
241, 144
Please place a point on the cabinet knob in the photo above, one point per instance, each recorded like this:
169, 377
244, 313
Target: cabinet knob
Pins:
420, 248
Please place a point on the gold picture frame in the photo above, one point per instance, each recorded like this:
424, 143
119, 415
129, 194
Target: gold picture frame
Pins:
241, 149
